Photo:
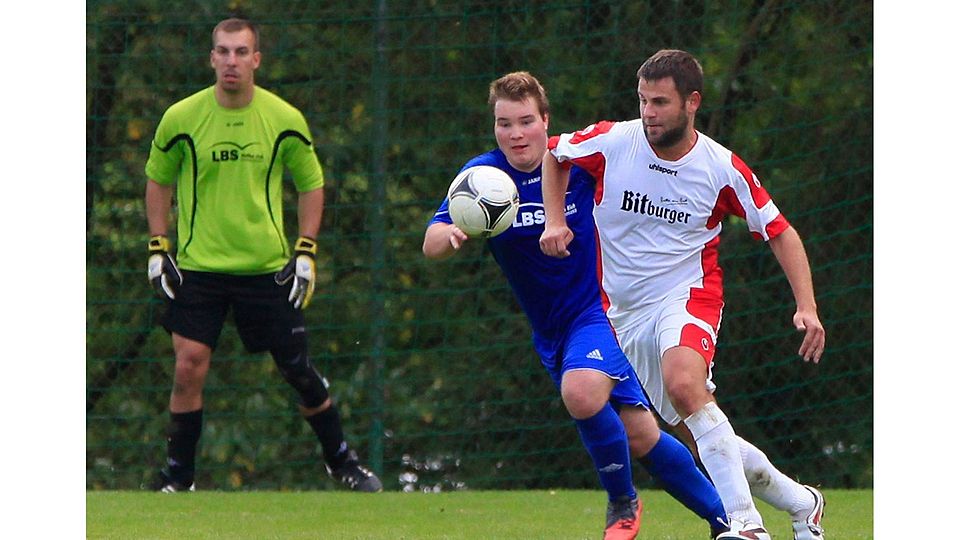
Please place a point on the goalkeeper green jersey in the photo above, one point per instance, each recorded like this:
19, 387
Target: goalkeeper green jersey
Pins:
228, 168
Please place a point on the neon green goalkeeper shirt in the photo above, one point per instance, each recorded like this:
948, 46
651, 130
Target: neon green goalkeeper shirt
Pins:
228, 167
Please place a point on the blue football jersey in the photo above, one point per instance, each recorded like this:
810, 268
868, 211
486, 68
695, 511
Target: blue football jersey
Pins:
552, 292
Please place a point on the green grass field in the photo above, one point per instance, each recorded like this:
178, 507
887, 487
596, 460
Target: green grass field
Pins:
468, 514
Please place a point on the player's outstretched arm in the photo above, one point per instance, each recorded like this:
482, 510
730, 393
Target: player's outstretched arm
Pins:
789, 251
442, 240
556, 235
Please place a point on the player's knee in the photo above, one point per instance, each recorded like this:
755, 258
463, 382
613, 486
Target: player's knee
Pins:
643, 433
295, 368
687, 392
688, 400
642, 443
191, 368
679, 387
307, 412
684, 374
585, 392
581, 403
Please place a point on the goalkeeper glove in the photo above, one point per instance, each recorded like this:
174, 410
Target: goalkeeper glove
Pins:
302, 269
161, 268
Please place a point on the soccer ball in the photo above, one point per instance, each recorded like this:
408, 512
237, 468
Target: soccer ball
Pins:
483, 201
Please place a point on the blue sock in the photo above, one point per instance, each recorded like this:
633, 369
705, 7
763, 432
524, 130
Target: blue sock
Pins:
606, 442
671, 465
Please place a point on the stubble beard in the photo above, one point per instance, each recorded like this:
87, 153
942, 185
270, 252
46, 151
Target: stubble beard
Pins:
668, 138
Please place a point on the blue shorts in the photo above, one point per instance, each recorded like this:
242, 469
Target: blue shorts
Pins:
591, 344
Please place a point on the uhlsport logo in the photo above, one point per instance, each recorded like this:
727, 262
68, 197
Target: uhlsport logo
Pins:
231, 151
661, 169
639, 203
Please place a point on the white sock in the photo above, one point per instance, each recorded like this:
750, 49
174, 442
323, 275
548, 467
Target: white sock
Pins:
772, 486
720, 454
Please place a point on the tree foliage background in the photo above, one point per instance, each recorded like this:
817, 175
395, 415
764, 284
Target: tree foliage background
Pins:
431, 364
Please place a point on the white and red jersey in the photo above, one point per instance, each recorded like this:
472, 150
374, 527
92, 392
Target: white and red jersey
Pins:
659, 221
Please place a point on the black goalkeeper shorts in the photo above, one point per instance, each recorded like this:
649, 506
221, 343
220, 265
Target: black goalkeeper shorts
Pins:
264, 317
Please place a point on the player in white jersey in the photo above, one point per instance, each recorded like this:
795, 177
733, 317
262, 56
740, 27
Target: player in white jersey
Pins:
663, 189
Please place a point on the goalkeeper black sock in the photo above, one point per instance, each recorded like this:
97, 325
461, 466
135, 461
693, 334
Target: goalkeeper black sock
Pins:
183, 434
326, 424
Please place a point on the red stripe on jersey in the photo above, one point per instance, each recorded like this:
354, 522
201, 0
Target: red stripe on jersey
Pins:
760, 195
727, 203
604, 299
777, 226
596, 165
699, 340
706, 303
591, 131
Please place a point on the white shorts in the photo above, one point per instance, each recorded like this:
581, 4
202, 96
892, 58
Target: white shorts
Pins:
668, 325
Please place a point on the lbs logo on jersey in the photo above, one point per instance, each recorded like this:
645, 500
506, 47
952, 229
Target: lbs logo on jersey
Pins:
231, 151
226, 155
533, 214
527, 216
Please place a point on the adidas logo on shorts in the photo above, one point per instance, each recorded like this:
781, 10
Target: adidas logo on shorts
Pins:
595, 355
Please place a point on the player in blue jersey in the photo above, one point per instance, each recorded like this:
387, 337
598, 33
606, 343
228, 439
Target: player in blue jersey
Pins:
571, 333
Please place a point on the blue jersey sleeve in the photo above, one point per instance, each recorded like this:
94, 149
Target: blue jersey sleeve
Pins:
442, 215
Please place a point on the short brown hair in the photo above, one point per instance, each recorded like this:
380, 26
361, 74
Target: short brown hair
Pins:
681, 66
235, 24
518, 86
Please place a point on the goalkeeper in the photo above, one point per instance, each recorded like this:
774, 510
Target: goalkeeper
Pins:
225, 149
